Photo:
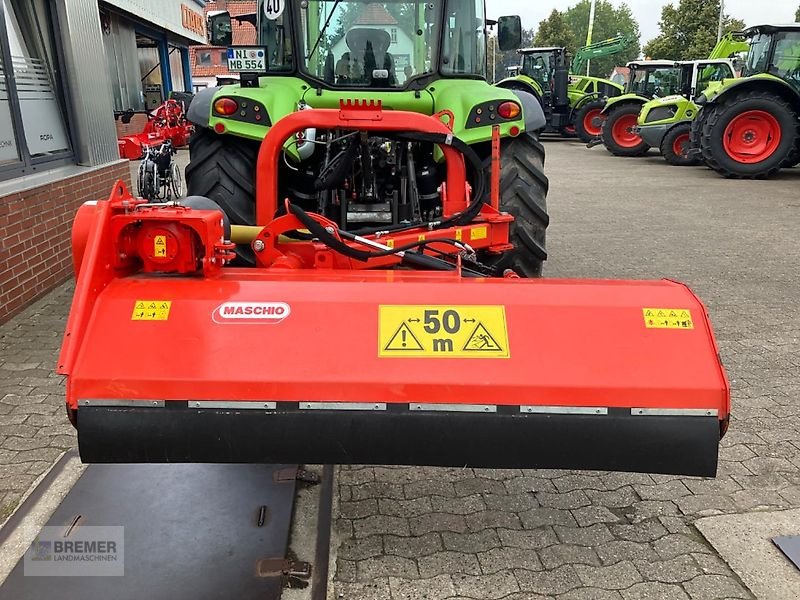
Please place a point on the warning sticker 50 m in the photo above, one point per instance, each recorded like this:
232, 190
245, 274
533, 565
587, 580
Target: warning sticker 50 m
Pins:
411, 331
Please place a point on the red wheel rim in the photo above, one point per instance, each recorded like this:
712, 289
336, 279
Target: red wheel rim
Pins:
680, 147
593, 122
623, 131
752, 137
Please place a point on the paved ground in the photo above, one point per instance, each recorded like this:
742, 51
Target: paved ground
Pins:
440, 534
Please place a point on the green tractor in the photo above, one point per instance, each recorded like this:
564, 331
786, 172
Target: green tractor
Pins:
571, 102
747, 128
650, 80
666, 123
413, 55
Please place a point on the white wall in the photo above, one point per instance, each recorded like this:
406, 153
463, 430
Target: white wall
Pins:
163, 13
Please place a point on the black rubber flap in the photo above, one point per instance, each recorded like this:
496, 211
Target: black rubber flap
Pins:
191, 531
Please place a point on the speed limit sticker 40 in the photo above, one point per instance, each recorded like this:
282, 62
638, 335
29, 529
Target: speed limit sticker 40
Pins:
412, 331
274, 8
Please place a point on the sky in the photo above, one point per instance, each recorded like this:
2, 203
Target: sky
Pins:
648, 12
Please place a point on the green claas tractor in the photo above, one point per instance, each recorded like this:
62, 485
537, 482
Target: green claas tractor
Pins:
666, 123
426, 57
649, 80
748, 127
571, 101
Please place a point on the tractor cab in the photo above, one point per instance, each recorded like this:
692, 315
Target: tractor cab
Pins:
654, 78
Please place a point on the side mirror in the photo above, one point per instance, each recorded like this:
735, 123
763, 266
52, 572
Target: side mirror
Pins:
509, 33
220, 32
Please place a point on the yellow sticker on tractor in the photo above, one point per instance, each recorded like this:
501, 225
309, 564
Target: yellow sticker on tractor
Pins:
668, 318
160, 246
151, 310
479, 233
410, 331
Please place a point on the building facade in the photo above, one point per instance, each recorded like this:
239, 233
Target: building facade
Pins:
65, 67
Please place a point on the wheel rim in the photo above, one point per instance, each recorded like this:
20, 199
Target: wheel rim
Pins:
623, 131
680, 147
752, 137
593, 122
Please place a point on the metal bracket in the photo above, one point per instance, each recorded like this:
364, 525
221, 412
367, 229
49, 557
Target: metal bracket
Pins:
296, 474
293, 573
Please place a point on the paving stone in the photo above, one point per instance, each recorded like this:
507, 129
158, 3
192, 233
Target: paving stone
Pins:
713, 587
676, 570
561, 554
578, 481
468, 487
705, 504
429, 487
413, 547
647, 509
663, 491
500, 559
672, 545
574, 499
492, 519
359, 549
653, 590
646, 531
488, 587
479, 541
588, 593
433, 588
377, 489
711, 564
584, 536
549, 582
349, 476
464, 505
620, 498
404, 508
437, 522
619, 550
590, 515
528, 484
613, 577
386, 566
448, 562
358, 509
532, 539
538, 517
345, 570
375, 590
511, 502
382, 524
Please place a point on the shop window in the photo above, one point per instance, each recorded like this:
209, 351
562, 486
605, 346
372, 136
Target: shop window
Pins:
223, 58
203, 58
176, 69
33, 122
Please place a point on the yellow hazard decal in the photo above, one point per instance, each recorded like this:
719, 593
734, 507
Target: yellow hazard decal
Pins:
151, 310
442, 332
479, 233
160, 246
668, 318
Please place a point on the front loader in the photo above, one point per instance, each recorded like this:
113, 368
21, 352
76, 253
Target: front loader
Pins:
360, 295
747, 128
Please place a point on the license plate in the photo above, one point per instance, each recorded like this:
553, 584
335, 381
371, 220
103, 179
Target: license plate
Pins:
247, 59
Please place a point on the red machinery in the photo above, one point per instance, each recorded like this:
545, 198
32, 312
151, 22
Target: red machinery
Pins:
167, 122
325, 354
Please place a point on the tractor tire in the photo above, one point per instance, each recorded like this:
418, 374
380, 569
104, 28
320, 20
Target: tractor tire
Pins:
676, 145
222, 168
696, 135
589, 120
750, 135
523, 193
618, 136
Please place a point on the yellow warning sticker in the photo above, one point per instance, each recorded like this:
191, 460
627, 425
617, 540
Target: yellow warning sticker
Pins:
160, 246
442, 332
668, 318
151, 310
479, 233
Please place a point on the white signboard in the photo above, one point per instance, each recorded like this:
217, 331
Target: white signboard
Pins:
184, 17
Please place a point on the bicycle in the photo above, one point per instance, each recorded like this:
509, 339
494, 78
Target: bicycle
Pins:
159, 175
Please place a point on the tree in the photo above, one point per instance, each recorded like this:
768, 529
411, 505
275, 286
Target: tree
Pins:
554, 31
797, 15
689, 32
609, 22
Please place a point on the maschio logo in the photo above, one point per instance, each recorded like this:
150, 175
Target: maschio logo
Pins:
251, 312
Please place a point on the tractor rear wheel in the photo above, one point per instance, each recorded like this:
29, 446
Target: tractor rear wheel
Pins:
750, 135
523, 193
589, 120
618, 131
676, 145
222, 168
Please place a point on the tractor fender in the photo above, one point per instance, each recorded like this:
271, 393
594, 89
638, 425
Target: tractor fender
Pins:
199, 111
761, 83
532, 109
620, 100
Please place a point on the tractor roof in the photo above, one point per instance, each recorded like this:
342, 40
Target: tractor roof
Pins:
651, 63
542, 49
756, 29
